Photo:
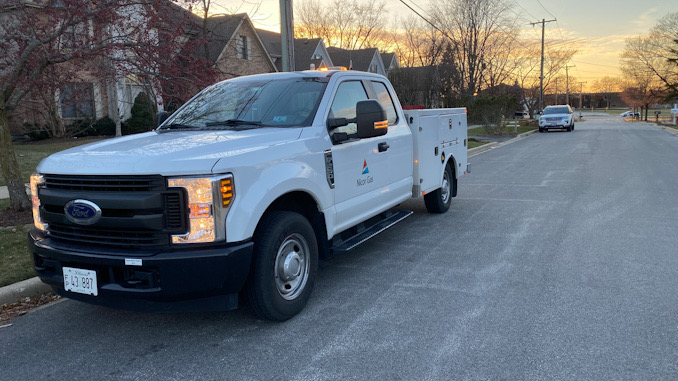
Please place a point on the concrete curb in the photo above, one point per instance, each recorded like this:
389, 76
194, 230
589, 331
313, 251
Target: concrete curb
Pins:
493, 145
670, 130
24, 289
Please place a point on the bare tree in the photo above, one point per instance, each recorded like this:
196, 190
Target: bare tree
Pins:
48, 43
607, 85
418, 43
478, 30
36, 37
527, 72
353, 24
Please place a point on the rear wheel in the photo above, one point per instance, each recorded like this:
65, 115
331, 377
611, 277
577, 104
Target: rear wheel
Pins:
439, 200
285, 265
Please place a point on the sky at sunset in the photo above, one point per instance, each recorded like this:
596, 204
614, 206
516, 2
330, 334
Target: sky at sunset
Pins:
599, 27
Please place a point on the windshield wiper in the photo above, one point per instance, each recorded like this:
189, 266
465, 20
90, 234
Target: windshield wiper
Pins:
178, 126
236, 123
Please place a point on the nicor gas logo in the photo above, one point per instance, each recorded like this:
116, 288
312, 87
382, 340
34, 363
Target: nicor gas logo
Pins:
365, 180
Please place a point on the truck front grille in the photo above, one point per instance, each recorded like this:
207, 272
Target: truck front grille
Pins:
137, 211
105, 183
107, 236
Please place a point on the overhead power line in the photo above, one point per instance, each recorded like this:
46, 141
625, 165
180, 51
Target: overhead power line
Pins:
547, 11
589, 63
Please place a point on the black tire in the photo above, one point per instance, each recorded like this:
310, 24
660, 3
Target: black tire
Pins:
285, 263
439, 200
541, 130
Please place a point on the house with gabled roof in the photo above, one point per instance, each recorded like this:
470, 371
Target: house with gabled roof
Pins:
234, 47
309, 53
390, 61
362, 59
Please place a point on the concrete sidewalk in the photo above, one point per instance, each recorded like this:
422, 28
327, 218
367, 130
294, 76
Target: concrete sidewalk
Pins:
4, 192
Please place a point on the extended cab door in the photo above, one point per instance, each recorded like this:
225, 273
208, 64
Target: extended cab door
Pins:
371, 174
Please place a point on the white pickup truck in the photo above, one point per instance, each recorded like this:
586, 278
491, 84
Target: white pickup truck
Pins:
240, 192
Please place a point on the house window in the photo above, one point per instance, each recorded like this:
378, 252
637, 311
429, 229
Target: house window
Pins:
75, 36
77, 100
243, 47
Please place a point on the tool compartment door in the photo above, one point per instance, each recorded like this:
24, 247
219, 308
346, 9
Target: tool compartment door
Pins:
430, 165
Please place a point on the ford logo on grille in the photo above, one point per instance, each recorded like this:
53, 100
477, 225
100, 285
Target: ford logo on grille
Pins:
82, 212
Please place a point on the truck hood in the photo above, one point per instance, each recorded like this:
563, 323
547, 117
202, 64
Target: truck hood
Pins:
169, 153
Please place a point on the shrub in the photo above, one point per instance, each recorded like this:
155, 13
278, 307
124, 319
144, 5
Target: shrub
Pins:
142, 116
102, 127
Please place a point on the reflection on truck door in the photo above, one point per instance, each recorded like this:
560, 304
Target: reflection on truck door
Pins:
359, 167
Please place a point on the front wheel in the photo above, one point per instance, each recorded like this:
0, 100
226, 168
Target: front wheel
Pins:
285, 265
439, 200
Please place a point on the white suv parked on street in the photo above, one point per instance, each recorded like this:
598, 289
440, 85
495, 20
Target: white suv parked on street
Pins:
556, 117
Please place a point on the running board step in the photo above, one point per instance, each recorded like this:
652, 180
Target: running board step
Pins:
362, 232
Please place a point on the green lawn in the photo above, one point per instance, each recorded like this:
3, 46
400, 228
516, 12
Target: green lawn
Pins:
665, 112
473, 143
510, 130
16, 262
30, 154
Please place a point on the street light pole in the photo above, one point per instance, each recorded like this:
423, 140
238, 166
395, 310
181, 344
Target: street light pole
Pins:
581, 90
567, 85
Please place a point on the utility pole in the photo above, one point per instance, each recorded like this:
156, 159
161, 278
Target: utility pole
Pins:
556, 102
287, 34
581, 90
567, 85
541, 73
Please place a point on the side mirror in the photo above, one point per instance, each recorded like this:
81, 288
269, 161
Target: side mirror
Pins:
333, 123
370, 119
161, 117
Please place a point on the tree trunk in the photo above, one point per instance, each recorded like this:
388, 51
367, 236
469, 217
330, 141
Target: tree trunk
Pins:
10, 167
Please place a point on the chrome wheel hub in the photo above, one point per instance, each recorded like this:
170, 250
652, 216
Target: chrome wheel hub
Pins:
445, 190
292, 266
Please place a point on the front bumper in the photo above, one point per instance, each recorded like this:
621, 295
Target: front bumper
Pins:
555, 125
206, 278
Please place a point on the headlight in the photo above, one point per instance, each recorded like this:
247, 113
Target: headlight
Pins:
36, 182
209, 199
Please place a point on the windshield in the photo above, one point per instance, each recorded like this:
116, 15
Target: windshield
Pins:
556, 110
251, 104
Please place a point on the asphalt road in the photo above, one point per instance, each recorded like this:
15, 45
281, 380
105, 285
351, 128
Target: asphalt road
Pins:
558, 260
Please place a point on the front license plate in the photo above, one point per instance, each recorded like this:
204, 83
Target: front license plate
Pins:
80, 281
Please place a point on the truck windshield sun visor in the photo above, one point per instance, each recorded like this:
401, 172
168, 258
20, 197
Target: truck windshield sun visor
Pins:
251, 103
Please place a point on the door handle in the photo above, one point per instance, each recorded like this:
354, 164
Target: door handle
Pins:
383, 147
